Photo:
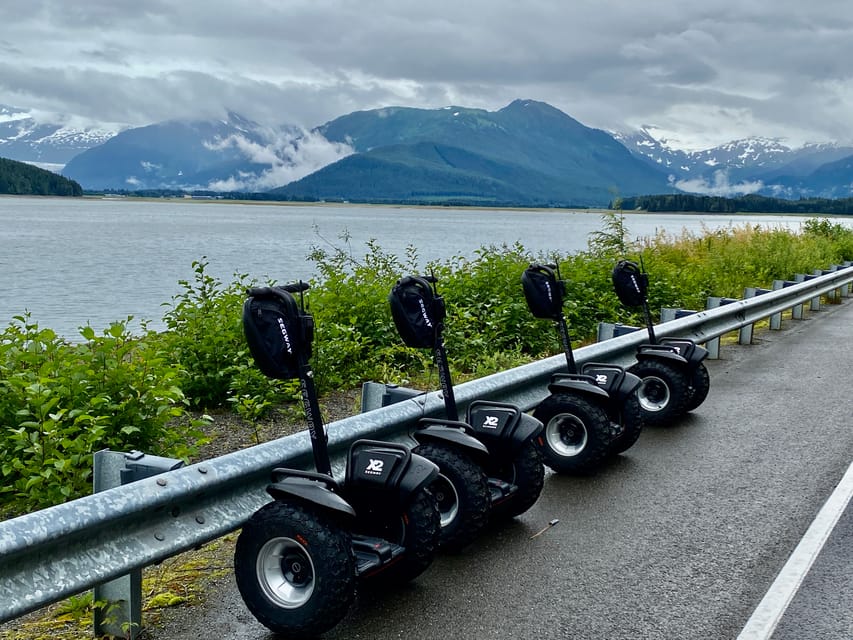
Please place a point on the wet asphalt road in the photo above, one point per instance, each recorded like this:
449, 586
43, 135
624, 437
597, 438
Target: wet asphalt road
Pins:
677, 539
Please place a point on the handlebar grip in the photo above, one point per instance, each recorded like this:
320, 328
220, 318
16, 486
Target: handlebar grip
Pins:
295, 287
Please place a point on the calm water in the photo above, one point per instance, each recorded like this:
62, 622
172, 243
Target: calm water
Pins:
72, 262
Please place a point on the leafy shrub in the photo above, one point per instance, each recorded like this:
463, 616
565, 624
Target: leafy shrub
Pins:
355, 336
61, 402
205, 339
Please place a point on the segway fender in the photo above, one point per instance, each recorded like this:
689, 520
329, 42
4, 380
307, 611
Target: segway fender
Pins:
528, 427
612, 378
581, 384
419, 473
660, 352
693, 353
628, 385
453, 433
310, 491
502, 425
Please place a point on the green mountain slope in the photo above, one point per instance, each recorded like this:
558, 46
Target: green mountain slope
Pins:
426, 172
20, 178
527, 153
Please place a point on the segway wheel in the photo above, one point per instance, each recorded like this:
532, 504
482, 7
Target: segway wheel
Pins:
295, 570
527, 472
417, 528
662, 392
462, 493
631, 422
700, 384
577, 433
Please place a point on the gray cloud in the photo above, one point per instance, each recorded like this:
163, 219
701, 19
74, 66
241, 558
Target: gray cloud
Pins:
701, 73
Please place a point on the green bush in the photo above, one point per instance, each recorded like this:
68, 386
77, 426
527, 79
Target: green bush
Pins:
205, 337
61, 402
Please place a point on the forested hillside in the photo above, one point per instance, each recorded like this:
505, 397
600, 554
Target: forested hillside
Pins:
526, 154
745, 204
20, 178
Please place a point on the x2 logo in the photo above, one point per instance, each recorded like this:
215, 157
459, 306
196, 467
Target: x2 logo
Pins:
601, 379
491, 422
374, 467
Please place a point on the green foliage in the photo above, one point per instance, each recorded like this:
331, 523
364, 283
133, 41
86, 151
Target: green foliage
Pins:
745, 204
486, 310
20, 178
355, 335
613, 240
61, 402
835, 232
205, 338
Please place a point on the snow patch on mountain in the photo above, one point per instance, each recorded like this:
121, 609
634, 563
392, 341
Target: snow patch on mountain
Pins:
739, 167
48, 139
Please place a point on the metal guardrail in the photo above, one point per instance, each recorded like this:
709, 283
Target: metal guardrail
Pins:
57, 552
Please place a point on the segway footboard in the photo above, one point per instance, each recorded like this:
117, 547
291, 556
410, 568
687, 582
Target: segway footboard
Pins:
383, 479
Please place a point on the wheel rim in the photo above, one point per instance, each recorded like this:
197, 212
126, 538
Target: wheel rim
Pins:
653, 394
285, 572
566, 434
447, 499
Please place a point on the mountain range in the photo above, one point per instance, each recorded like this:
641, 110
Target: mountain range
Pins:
764, 166
47, 144
527, 153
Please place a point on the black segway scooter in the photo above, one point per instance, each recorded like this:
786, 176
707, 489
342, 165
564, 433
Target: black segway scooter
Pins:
591, 413
489, 464
298, 558
674, 377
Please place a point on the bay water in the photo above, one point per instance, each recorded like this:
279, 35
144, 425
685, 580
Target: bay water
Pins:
73, 262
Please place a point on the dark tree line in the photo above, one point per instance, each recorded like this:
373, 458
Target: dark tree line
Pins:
744, 204
20, 178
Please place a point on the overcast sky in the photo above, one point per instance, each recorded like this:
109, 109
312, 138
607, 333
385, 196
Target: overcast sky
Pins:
702, 73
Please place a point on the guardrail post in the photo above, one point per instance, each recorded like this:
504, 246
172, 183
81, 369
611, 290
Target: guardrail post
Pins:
845, 288
834, 296
607, 330
745, 332
803, 277
796, 310
713, 345
375, 395
667, 314
121, 616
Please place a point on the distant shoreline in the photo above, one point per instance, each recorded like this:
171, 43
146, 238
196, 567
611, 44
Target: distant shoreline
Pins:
290, 203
